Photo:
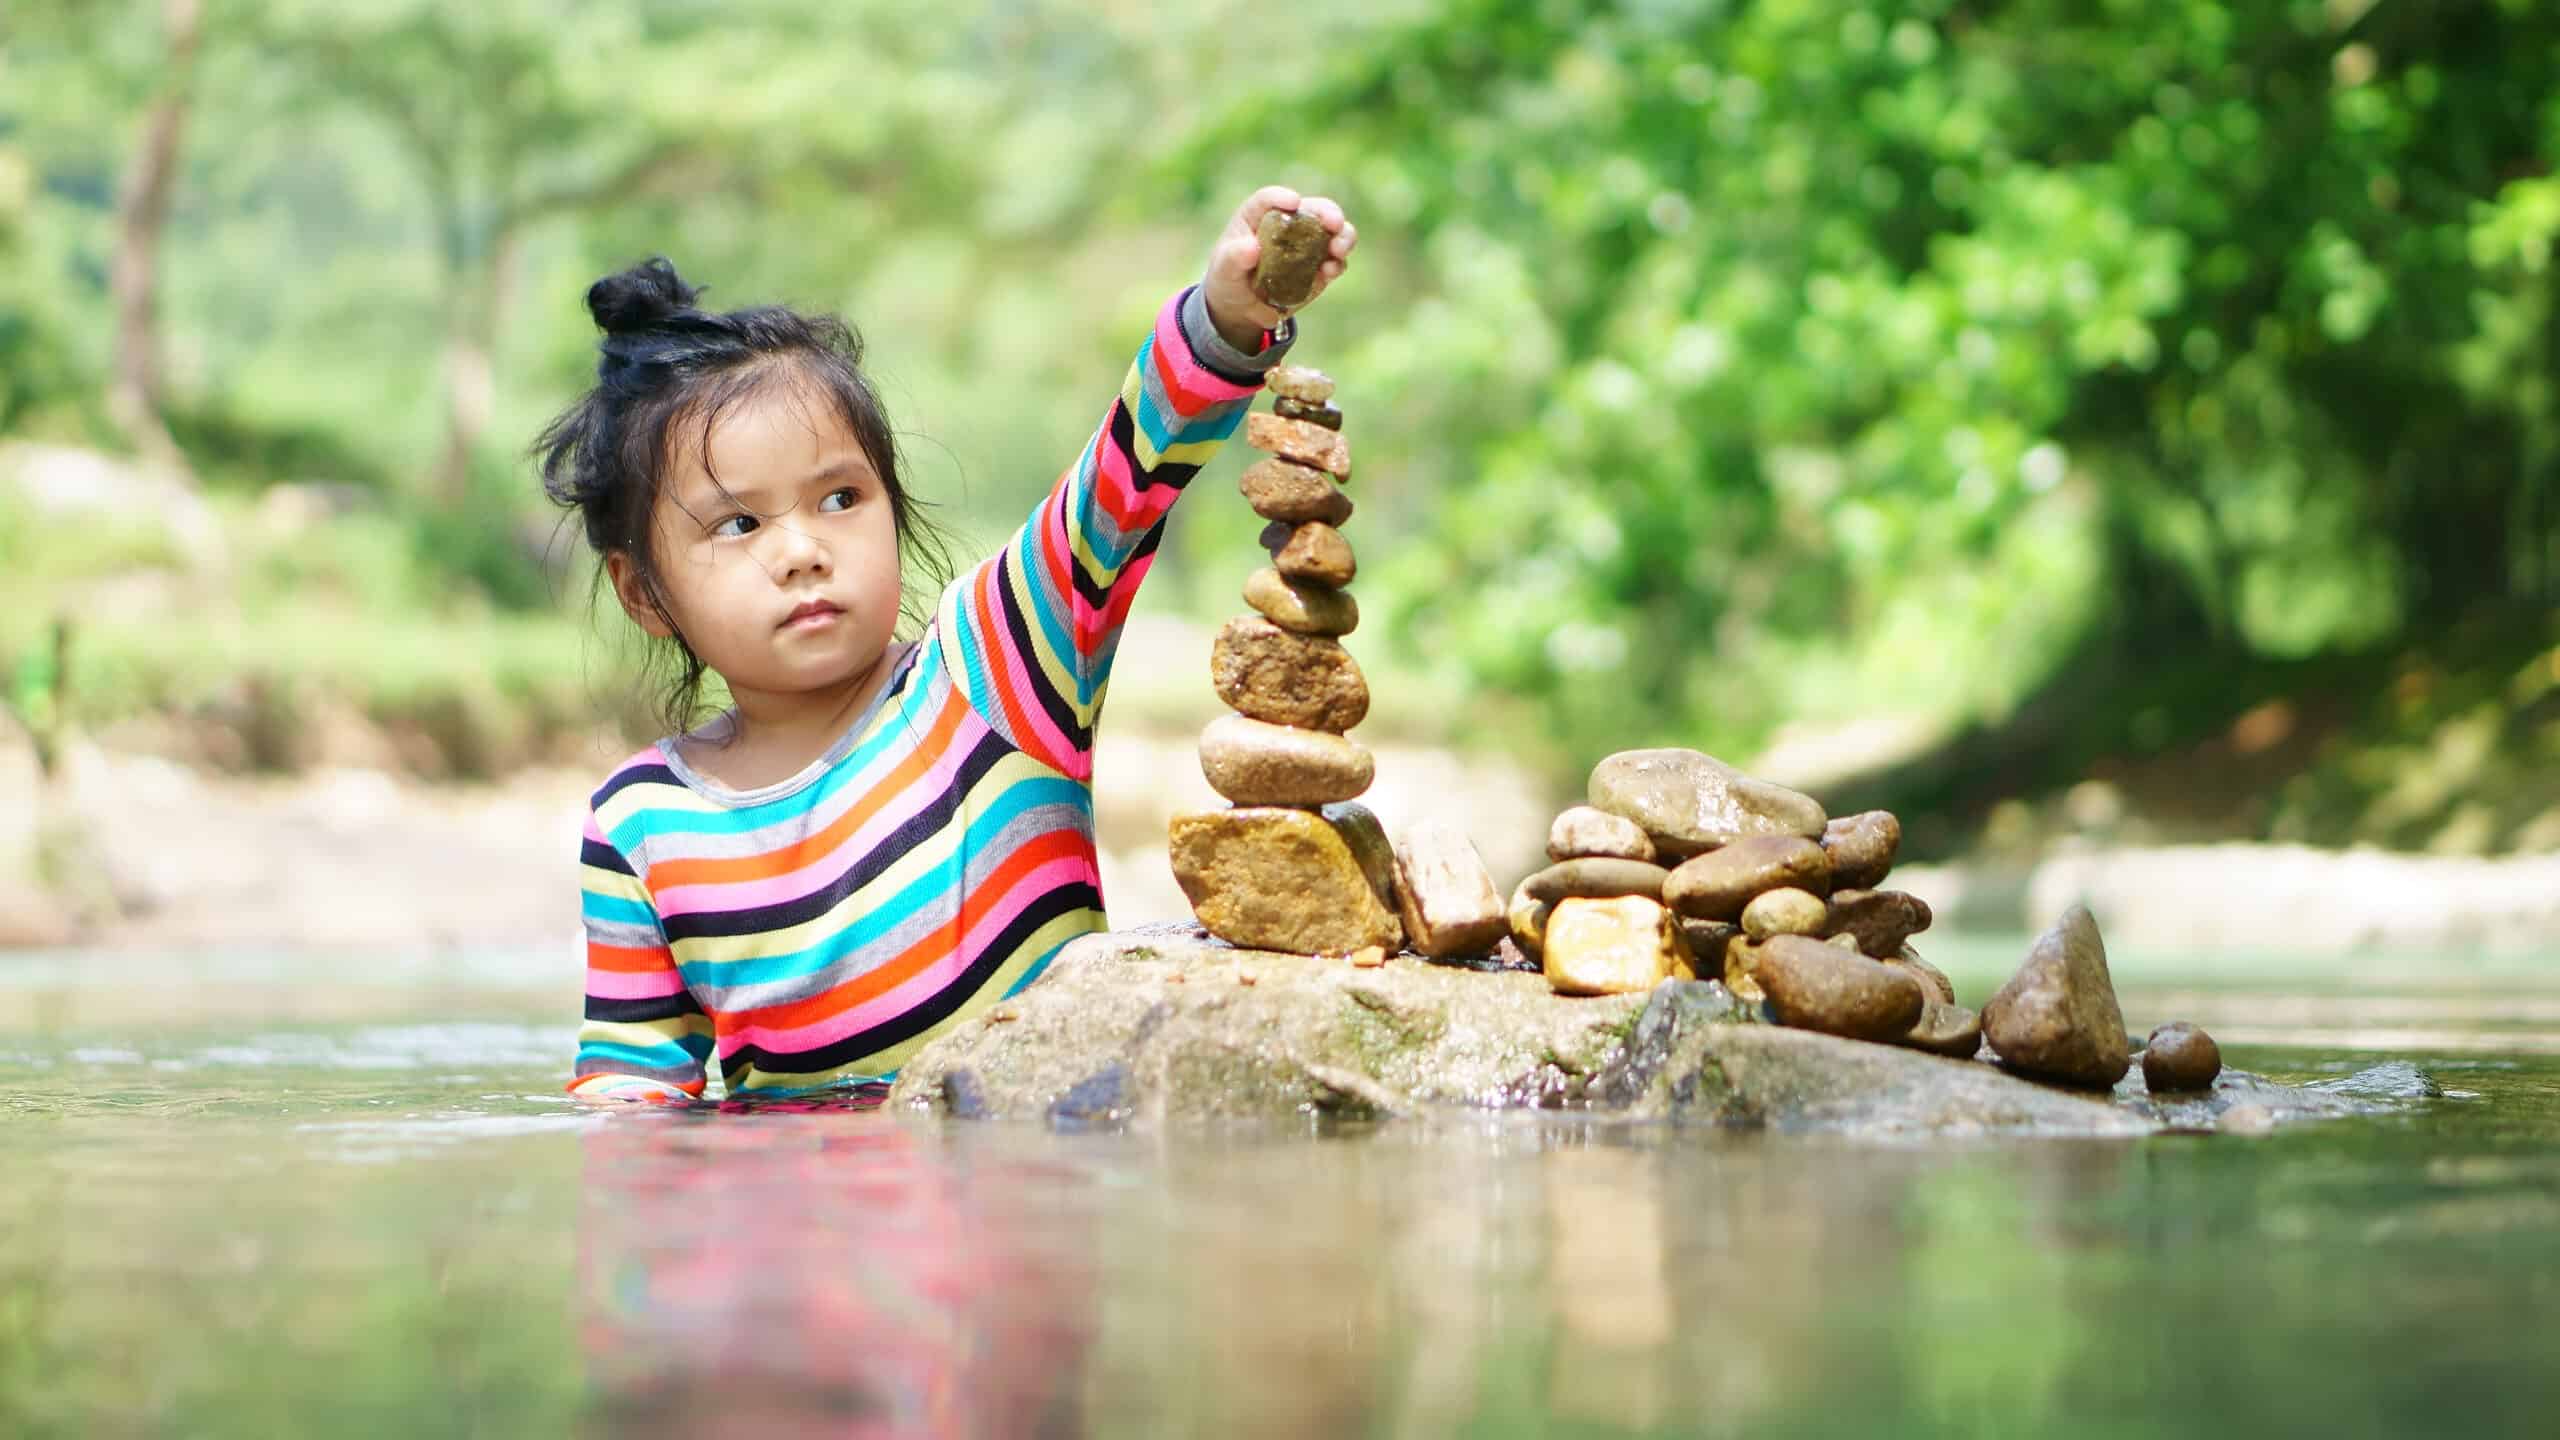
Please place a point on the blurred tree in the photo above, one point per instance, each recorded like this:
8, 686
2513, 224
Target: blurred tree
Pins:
2051, 349
134, 397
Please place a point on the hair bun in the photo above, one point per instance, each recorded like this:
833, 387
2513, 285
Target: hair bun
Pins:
642, 298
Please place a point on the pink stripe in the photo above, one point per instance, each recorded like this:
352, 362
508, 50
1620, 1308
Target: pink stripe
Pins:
1186, 378
633, 984
822, 869
1064, 870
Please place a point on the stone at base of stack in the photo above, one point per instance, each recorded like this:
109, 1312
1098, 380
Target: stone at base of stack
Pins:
1271, 877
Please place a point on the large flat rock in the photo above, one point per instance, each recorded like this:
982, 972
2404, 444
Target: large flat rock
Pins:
1140, 1028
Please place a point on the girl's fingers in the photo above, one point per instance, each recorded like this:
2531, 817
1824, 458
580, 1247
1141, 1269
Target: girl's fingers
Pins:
1343, 241
1324, 209
1265, 200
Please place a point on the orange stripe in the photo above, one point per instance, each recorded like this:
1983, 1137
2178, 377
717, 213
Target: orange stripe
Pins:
629, 959
716, 870
1000, 639
931, 947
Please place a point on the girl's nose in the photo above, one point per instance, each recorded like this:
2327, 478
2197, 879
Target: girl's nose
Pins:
793, 551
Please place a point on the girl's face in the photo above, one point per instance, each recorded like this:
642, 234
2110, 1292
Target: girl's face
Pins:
776, 548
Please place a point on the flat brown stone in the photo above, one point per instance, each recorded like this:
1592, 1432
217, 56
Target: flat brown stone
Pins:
1254, 763
1276, 878
1581, 832
1316, 554
1297, 440
1691, 802
1931, 978
1299, 382
1306, 609
1268, 673
1328, 416
1595, 879
1278, 490
1880, 920
1945, 1029
1716, 885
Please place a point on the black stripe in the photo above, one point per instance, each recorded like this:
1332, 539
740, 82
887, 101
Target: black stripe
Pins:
1175, 474
1064, 900
628, 776
1018, 625
936, 814
661, 1007
602, 855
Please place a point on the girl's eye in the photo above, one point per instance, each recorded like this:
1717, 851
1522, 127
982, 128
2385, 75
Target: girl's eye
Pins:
840, 499
735, 525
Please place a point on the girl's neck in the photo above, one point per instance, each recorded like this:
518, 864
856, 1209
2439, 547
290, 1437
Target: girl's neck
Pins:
768, 737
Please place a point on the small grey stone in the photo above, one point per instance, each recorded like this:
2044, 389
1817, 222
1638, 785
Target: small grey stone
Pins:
1299, 382
1581, 832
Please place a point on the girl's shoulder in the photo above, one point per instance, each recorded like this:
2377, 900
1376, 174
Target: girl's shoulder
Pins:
645, 766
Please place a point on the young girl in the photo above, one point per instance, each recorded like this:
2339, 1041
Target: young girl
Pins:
878, 839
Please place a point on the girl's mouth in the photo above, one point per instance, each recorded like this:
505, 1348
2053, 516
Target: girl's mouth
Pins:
812, 615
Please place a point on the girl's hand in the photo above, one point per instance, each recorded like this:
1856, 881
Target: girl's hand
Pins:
1241, 315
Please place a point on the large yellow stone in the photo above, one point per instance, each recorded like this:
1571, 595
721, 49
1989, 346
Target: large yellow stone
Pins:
1608, 947
1274, 878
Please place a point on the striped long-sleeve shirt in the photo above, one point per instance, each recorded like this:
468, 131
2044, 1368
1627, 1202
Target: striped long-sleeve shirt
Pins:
815, 932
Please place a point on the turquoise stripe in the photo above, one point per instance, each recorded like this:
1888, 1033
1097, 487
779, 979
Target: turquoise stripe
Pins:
1046, 621
614, 909
686, 1055
936, 883
1038, 967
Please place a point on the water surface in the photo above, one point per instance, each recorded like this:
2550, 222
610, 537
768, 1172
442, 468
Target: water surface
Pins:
259, 1194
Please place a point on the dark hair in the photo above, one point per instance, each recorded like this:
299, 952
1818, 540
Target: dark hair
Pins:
664, 363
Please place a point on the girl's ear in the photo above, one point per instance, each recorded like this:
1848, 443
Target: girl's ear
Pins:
633, 592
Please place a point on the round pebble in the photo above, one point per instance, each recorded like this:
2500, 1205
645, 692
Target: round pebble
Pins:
2180, 1057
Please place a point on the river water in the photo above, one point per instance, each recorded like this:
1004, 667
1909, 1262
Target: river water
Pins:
252, 1194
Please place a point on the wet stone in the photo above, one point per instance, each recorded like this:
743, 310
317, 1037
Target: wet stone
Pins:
1444, 894
1302, 383
1328, 416
1279, 490
1742, 966
1784, 911
2180, 1056
1268, 673
1294, 247
1305, 609
1527, 916
1276, 878
1945, 1029
1707, 940
1254, 763
1716, 885
1931, 978
1597, 879
1813, 986
1611, 947
1581, 832
1691, 802
1879, 920
2057, 1018
1299, 441
1316, 554
1862, 848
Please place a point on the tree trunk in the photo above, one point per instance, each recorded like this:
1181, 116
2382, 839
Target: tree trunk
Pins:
477, 303
133, 276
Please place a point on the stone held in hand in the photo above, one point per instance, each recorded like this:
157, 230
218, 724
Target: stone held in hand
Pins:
1252, 762
1278, 878
1595, 879
1862, 848
1299, 441
1316, 554
2180, 1056
1444, 894
1813, 986
1302, 383
1612, 946
1931, 978
2057, 1018
1305, 609
1945, 1029
1716, 885
1328, 416
1881, 920
1785, 911
1268, 673
1295, 246
1580, 832
1279, 490
1690, 802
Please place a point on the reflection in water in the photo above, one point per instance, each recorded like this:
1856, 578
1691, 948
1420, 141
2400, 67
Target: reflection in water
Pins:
768, 1272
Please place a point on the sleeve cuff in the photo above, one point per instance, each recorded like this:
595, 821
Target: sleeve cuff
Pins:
1222, 359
